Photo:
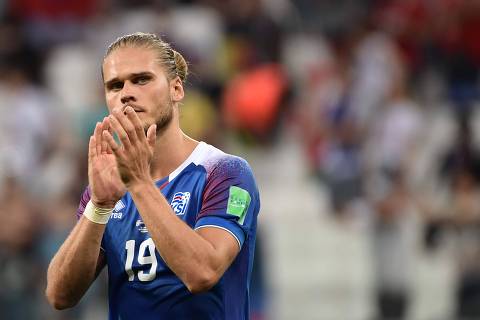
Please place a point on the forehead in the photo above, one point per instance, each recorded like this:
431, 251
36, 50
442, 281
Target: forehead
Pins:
127, 60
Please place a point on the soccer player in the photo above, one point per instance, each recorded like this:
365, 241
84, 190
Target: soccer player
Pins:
173, 219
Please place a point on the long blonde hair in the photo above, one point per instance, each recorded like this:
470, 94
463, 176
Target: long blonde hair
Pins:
173, 62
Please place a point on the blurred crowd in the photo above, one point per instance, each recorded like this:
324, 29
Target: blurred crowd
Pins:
382, 95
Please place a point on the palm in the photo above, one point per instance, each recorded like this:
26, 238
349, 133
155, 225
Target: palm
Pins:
104, 179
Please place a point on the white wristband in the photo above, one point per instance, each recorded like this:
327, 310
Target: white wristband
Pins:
97, 215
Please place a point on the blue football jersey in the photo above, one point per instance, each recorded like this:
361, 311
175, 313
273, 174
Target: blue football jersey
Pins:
210, 189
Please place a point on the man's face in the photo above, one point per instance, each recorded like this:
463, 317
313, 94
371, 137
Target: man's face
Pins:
133, 77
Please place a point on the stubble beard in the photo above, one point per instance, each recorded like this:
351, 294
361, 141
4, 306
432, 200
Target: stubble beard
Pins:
165, 117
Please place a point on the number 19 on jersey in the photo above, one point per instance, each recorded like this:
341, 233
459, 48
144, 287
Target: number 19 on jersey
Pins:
146, 256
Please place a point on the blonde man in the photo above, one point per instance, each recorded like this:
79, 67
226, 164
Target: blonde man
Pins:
174, 219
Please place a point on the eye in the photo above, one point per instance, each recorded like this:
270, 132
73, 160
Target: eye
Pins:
115, 86
142, 80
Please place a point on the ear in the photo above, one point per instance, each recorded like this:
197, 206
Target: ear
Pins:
176, 89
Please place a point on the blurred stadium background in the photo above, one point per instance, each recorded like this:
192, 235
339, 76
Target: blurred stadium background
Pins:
359, 117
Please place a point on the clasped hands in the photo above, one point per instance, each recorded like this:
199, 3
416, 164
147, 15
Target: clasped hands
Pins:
115, 166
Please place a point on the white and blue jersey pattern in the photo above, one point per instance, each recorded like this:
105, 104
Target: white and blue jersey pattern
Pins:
210, 189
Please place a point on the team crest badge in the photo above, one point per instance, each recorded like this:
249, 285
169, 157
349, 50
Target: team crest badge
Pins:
180, 202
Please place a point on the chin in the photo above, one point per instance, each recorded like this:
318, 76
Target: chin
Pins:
146, 125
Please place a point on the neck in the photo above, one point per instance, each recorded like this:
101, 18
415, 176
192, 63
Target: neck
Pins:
172, 148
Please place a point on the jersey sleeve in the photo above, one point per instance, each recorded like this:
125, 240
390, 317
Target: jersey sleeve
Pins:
230, 199
83, 202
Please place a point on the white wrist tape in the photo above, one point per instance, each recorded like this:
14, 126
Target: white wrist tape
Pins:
97, 215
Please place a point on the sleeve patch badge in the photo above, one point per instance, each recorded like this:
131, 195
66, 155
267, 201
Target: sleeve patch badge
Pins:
238, 202
180, 202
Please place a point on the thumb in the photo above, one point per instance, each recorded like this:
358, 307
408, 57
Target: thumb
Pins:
152, 135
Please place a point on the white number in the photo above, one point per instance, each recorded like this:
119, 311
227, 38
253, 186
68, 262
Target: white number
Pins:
130, 246
150, 259
142, 259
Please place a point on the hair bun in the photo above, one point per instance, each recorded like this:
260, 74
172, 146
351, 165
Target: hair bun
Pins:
180, 65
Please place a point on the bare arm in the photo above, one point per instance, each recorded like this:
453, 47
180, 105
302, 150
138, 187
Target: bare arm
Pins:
76, 264
79, 259
199, 258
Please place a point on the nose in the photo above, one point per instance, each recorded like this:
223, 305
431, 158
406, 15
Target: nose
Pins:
127, 93
127, 98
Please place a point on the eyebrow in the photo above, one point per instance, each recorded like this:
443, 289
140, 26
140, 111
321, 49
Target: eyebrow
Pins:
130, 76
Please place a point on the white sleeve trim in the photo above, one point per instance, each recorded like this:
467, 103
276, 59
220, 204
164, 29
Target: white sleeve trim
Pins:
215, 226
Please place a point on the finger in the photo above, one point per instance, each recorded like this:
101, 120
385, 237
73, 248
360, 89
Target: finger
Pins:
112, 144
121, 133
109, 150
127, 125
137, 124
107, 127
152, 135
110, 131
104, 143
92, 150
97, 133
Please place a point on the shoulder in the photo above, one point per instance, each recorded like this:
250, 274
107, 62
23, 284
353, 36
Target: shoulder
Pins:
228, 175
231, 198
220, 164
